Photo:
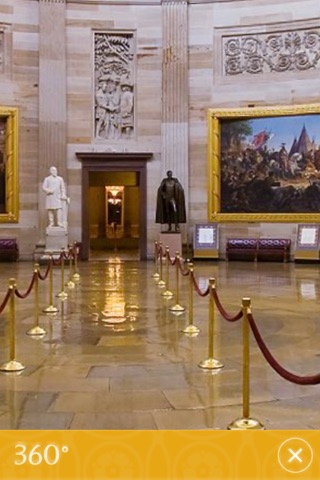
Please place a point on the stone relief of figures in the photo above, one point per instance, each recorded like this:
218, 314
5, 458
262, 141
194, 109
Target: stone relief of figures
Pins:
274, 52
114, 97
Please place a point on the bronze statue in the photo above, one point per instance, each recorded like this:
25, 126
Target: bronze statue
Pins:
171, 207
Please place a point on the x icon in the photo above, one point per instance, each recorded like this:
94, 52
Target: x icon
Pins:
295, 455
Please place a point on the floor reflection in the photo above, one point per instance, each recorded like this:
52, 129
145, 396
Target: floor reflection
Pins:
115, 357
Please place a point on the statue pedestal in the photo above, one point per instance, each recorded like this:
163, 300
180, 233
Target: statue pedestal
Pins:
173, 241
56, 239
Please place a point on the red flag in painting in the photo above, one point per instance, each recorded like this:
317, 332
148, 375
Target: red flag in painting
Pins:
260, 139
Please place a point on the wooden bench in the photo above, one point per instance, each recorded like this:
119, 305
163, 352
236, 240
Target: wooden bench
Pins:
241, 249
264, 249
274, 249
9, 251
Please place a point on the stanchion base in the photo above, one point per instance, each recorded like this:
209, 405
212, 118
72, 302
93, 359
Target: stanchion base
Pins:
36, 331
161, 283
156, 275
177, 308
167, 293
12, 366
176, 314
191, 330
50, 309
71, 284
62, 295
211, 364
246, 424
76, 277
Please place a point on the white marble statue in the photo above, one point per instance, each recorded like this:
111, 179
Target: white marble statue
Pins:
56, 199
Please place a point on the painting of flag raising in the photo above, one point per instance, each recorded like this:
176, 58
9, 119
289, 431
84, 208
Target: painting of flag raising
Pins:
270, 164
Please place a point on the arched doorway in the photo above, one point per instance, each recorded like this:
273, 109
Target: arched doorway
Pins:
108, 167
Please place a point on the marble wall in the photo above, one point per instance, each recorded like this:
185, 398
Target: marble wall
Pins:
201, 29
19, 78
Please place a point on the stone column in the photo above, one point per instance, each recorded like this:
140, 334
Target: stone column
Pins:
174, 135
52, 94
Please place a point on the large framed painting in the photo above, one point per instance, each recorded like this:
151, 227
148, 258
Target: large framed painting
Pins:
9, 195
264, 164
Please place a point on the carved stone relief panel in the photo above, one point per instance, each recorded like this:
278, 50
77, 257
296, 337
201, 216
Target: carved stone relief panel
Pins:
294, 50
114, 85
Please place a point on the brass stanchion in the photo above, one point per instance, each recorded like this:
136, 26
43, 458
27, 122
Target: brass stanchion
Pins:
156, 274
36, 330
12, 365
177, 307
167, 293
191, 329
76, 275
51, 308
245, 422
161, 282
62, 294
70, 283
210, 362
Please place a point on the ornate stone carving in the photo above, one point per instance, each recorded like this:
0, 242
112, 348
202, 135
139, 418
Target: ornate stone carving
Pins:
273, 52
114, 85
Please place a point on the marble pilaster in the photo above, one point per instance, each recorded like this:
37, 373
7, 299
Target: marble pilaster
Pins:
52, 94
174, 131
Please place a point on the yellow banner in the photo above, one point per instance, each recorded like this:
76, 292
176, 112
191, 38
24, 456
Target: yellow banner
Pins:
148, 455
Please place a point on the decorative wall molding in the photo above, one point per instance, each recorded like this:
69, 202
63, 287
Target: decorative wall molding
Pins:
116, 2
290, 50
53, 1
145, 2
114, 54
174, 2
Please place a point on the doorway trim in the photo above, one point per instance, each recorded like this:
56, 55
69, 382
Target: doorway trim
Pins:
114, 162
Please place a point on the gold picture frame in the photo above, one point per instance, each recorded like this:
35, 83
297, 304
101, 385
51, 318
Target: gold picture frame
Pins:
292, 191
9, 193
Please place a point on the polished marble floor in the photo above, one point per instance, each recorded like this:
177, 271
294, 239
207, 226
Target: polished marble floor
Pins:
114, 355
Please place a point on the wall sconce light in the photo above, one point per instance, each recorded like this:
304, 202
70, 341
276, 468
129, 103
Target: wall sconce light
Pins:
114, 199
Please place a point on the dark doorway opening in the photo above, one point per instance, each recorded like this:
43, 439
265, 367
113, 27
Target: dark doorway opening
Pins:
114, 214
105, 228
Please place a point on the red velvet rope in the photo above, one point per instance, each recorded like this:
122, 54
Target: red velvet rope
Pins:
24, 295
300, 380
74, 249
67, 255
167, 255
222, 311
161, 251
5, 300
58, 261
174, 261
46, 273
184, 272
197, 289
